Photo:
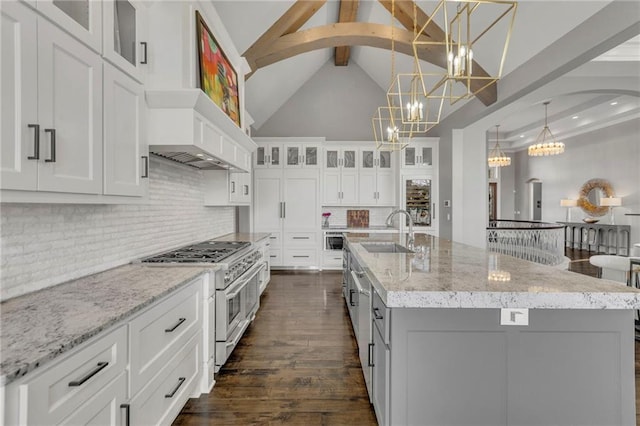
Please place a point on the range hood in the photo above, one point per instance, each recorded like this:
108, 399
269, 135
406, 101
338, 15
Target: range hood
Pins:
187, 127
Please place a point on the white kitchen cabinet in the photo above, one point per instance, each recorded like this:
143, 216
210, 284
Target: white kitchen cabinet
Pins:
301, 156
377, 178
64, 138
418, 155
268, 156
227, 188
287, 205
80, 18
107, 407
340, 176
68, 386
125, 43
126, 156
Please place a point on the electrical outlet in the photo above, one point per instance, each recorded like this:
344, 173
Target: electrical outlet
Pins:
510, 316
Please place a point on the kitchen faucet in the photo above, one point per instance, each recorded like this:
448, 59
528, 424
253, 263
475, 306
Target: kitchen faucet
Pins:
410, 240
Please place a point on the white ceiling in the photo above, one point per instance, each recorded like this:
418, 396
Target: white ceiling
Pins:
537, 25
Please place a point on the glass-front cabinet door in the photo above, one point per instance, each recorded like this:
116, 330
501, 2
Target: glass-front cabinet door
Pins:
294, 158
349, 159
82, 18
267, 156
301, 156
311, 156
417, 156
124, 40
371, 159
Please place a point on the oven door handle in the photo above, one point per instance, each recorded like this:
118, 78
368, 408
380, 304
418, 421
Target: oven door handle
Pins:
243, 325
237, 288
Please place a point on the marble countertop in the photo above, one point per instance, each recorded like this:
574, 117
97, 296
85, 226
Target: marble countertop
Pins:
40, 326
244, 236
444, 274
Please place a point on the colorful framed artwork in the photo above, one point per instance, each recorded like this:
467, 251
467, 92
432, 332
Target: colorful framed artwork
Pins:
218, 79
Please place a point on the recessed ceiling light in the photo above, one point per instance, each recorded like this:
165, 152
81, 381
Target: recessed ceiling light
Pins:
574, 117
613, 103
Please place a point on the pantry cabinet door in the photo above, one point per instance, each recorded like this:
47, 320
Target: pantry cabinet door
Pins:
268, 201
123, 134
70, 113
302, 201
19, 97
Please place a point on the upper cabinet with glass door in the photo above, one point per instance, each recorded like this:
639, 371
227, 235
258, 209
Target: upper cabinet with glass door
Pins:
81, 18
268, 155
301, 156
418, 154
125, 36
337, 158
373, 159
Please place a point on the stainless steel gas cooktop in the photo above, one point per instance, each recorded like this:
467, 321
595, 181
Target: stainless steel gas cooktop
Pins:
205, 252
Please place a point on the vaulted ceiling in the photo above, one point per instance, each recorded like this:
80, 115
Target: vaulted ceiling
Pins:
286, 42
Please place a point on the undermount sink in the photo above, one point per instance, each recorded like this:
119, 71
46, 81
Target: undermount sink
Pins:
385, 248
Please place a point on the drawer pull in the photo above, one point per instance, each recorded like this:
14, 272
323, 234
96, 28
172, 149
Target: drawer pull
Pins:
99, 367
127, 415
302, 256
178, 324
370, 356
173, 392
52, 158
272, 255
376, 314
300, 238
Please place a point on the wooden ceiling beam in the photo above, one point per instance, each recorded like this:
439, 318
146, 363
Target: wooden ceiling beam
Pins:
343, 34
292, 20
404, 13
348, 13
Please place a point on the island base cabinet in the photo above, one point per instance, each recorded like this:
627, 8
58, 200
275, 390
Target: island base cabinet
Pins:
164, 396
461, 367
380, 378
105, 408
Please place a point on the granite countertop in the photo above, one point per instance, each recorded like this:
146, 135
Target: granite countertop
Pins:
40, 326
244, 236
454, 275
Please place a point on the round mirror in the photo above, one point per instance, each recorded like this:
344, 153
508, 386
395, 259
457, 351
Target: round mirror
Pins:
591, 193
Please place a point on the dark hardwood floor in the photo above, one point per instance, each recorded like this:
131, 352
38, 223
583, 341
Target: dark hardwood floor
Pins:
298, 362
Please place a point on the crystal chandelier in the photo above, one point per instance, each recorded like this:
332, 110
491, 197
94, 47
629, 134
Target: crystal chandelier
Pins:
546, 143
497, 158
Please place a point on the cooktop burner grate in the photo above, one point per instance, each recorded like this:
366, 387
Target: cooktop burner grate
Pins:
205, 252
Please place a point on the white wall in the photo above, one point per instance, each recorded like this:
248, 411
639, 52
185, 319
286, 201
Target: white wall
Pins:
336, 103
611, 153
46, 244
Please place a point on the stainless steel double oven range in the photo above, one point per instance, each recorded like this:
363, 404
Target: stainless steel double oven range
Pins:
237, 283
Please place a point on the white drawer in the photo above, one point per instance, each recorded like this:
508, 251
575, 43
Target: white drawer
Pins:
162, 399
275, 257
301, 257
62, 388
300, 238
105, 408
159, 332
274, 239
332, 259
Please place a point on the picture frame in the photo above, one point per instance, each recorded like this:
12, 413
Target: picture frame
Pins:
218, 79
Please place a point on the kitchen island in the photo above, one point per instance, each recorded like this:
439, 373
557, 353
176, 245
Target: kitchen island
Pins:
456, 335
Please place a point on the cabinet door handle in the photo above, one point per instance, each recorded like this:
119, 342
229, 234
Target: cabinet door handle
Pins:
300, 238
246, 189
284, 209
127, 415
433, 211
272, 255
178, 324
146, 166
98, 368
36, 142
52, 158
233, 187
370, 356
272, 238
173, 392
376, 314
303, 160
351, 302
144, 50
